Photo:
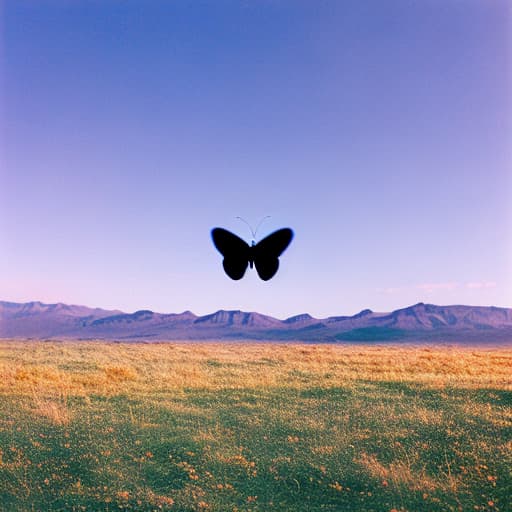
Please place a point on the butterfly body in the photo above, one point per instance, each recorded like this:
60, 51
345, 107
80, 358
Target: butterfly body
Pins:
263, 255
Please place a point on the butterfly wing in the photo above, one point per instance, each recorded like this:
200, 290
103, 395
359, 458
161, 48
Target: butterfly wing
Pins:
268, 250
234, 250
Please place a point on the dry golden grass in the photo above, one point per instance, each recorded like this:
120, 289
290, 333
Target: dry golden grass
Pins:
56, 411
398, 474
336, 427
80, 367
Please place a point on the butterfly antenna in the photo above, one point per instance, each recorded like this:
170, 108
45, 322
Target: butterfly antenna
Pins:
252, 231
260, 223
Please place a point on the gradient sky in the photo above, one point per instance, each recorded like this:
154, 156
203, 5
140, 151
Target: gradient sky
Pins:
379, 131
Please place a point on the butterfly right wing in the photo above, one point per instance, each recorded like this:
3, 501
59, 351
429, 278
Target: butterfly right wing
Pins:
234, 250
268, 250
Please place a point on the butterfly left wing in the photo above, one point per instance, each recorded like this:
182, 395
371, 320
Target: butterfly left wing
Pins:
267, 252
234, 250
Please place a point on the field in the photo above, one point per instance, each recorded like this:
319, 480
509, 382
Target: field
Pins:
258, 427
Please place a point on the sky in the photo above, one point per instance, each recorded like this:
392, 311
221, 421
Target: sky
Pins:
380, 132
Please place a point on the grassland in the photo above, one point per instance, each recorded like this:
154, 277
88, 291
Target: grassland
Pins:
239, 428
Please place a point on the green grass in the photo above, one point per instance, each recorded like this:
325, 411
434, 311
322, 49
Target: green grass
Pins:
78, 434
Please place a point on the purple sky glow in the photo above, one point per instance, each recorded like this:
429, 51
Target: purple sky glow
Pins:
379, 131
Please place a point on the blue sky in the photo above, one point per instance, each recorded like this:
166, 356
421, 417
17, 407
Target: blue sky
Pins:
379, 131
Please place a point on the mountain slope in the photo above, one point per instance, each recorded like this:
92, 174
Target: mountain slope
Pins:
427, 322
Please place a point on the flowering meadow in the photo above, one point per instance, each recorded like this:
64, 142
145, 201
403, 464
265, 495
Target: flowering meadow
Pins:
96, 426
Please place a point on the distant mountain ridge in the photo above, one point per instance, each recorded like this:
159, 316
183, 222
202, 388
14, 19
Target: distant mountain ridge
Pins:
420, 322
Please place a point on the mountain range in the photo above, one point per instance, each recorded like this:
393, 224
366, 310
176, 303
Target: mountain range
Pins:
418, 323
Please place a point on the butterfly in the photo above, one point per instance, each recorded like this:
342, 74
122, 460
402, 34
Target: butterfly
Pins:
238, 253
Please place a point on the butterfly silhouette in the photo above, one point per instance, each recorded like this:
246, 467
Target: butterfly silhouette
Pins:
238, 253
